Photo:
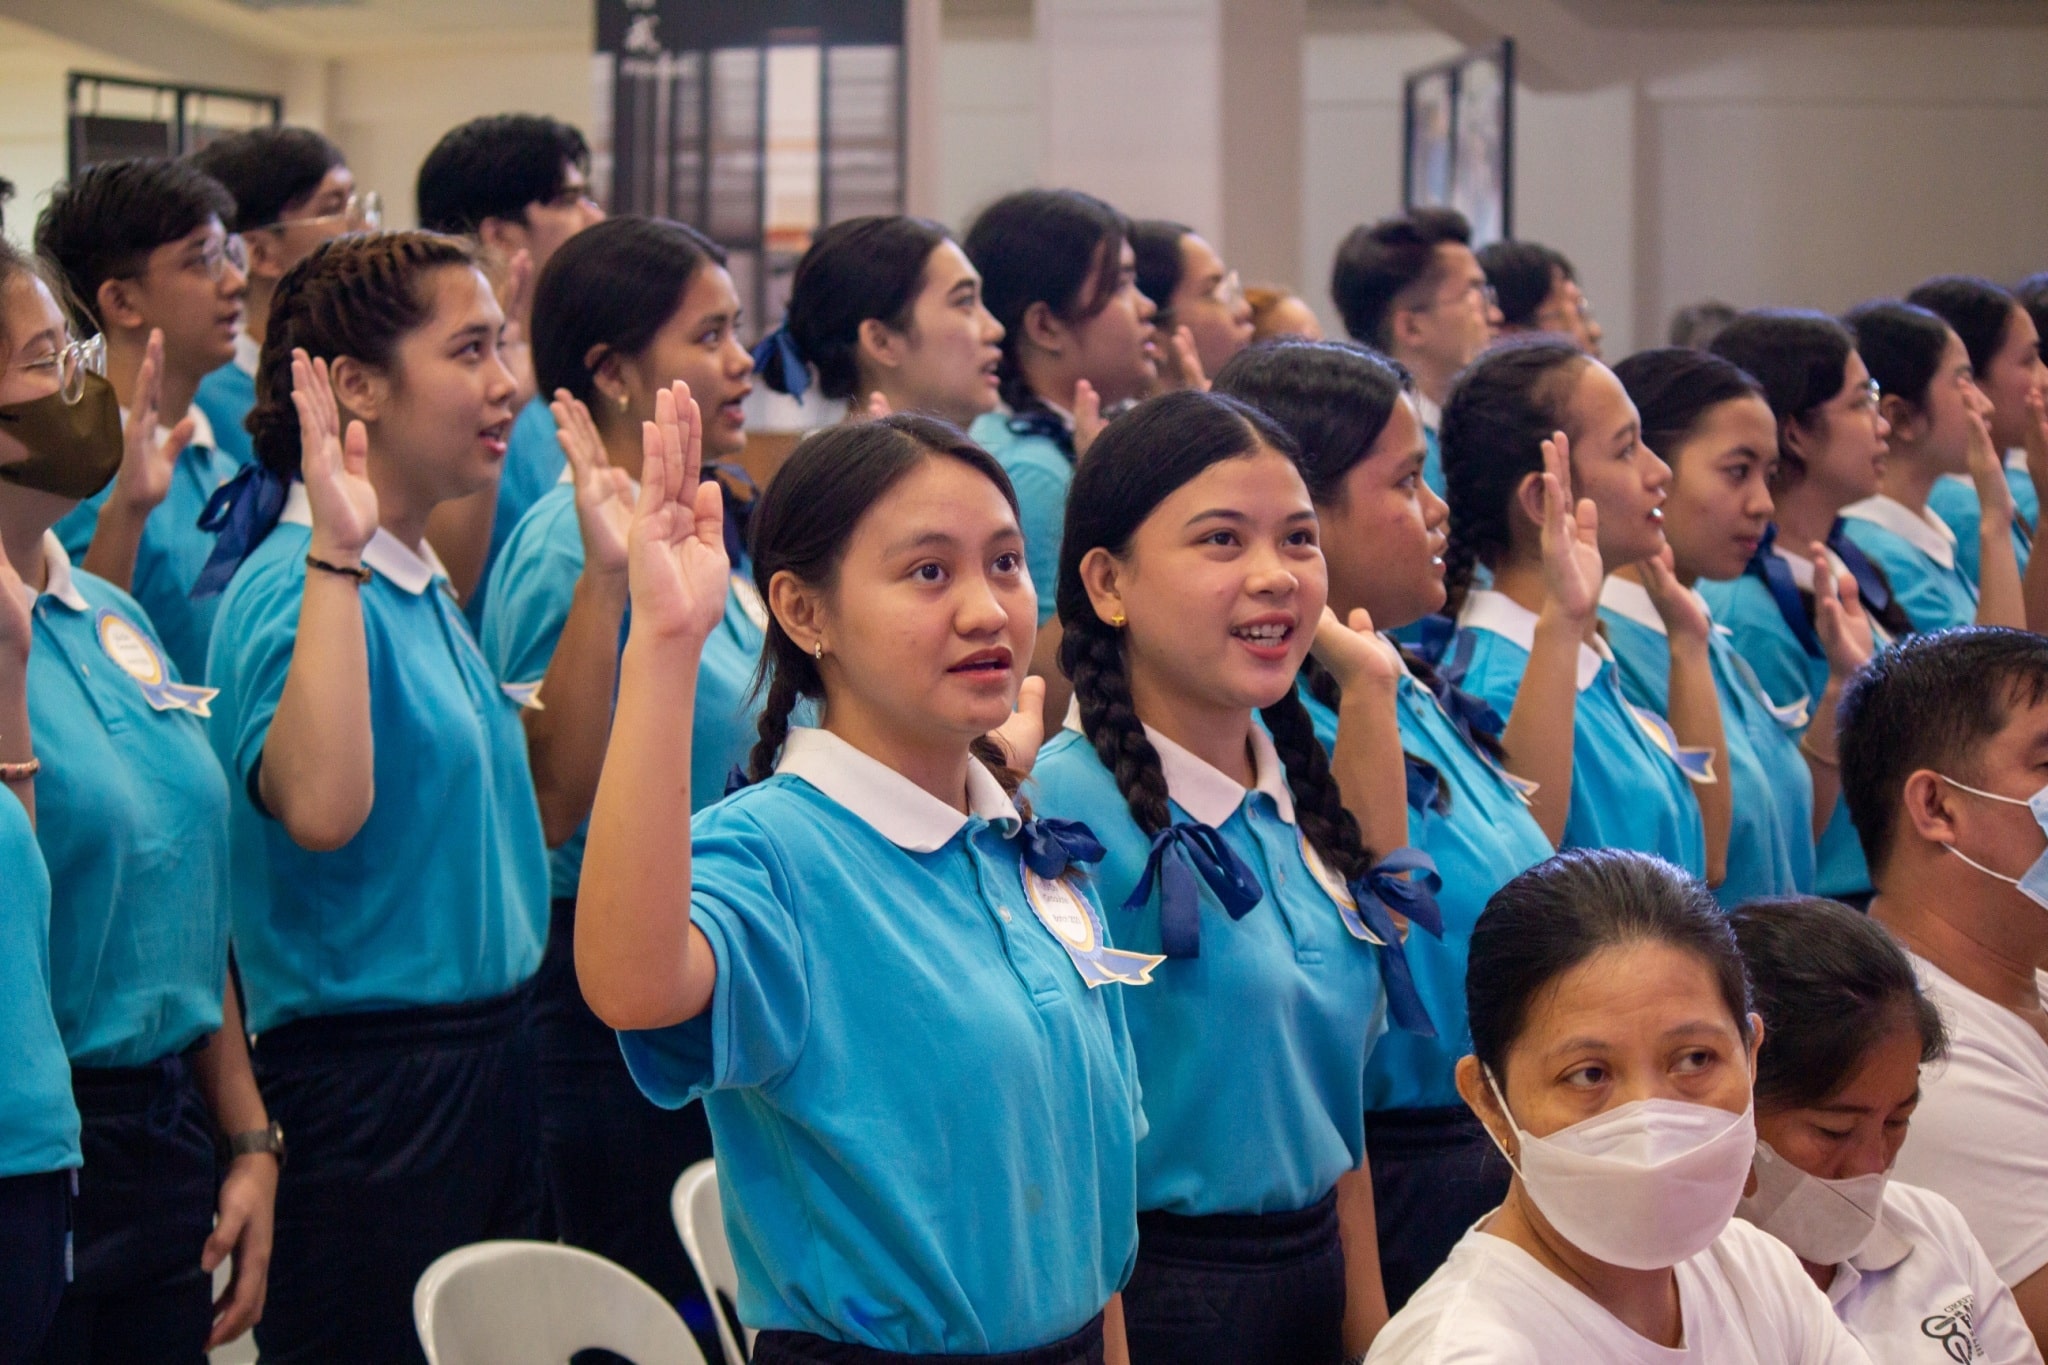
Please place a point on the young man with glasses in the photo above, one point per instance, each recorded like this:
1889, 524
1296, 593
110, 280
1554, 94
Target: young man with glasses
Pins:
517, 184
292, 190
1538, 291
145, 253
1411, 288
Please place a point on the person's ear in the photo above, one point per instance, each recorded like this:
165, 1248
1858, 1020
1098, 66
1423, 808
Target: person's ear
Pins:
1478, 1097
1406, 327
1102, 574
1927, 804
799, 609
362, 390
266, 255
608, 382
119, 305
503, 237
1528, 499
1802, 441
1908, 423
1043, 330
881, 346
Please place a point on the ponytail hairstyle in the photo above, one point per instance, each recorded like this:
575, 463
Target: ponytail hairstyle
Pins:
1902, 343
611, 288
871, 267
1137, 463
1334, 398
358, 296
1505, 406
1155, 245
1802, 360
1674, 387
802, 525
1061, 248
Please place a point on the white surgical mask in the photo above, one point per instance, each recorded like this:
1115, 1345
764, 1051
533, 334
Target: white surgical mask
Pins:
1645, 1185
1825, 1222
2033, 883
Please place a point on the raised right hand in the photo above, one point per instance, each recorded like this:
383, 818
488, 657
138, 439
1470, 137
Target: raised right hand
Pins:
144, 478
1846, 637
1572, 571
343, 503
604, 494
1088, 423
678, 572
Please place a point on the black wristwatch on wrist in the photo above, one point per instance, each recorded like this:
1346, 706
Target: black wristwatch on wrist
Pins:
270, 1140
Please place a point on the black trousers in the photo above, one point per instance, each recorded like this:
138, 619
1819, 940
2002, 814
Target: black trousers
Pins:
144, 1211
1435, 1173
802, 1348
1238, 1289
35, 1249
612, 1154
412, 1132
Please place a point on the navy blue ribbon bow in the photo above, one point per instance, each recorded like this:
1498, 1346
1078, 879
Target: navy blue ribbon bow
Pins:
780, 362
1381, 890
240, 514
1046, 423
1776, 573
1181, 853
1050, 847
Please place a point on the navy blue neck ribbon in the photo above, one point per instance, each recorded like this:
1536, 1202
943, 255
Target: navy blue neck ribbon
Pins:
780, 363
1776, 573
1037, 421
1050, 847
1381, 891
1425, 785
240, 514
1180, 854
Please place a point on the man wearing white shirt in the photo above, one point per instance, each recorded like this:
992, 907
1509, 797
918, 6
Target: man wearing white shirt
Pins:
1944, 743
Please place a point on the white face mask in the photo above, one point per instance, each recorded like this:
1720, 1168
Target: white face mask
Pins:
1825, 1222
2033, 883
1645, 1185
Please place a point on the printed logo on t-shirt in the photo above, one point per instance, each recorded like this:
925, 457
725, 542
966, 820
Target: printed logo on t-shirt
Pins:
1951, 1327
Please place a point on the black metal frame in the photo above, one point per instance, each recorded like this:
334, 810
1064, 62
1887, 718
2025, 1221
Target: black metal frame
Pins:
1502, 54
180, 95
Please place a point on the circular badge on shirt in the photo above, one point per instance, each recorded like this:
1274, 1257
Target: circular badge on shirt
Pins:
1061, 911
131, 650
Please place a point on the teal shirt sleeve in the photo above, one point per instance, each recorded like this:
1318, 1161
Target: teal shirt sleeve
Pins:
1933, 597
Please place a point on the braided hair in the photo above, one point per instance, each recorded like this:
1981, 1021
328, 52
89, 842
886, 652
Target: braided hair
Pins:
1139, 460
358, 296
1503, 409
1334, 398
803, 524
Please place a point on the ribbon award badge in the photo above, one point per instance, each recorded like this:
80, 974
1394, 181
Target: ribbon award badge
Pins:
1073, 921
135, 654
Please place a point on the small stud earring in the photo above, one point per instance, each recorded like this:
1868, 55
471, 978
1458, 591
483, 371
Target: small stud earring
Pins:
1117, 621
624, 402
818, 650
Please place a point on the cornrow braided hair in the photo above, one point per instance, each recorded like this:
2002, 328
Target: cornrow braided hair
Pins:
1495, 423
357, 296
1137, 462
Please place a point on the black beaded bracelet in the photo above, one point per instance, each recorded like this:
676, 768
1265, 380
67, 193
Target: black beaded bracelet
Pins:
356, 571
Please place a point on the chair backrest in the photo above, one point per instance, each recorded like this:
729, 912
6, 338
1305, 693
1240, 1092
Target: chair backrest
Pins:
537, 1303
700, 1222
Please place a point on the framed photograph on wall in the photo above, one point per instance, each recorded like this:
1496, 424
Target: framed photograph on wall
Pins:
1458, 149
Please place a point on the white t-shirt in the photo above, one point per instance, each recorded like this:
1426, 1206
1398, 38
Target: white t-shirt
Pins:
1746, 1300
1943, 1303
1980, 1135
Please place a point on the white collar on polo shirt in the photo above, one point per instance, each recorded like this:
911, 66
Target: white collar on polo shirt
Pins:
1922, 530
1630, 600
59, 583
248, 351
1429, 413
202, 428
2016, 459
385, 554
1486, 609
1202, 789
1802, 567
902, 812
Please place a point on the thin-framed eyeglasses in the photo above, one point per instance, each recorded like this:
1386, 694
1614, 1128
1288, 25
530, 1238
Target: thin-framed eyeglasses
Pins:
71, 363
364, 212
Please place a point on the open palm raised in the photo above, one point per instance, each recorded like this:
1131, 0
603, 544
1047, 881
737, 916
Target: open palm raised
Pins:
604, 494
677, 571
1571, 536
338, 490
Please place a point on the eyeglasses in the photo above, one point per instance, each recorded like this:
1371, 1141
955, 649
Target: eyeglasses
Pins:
1229, 290
1483, 290
1866, 397
215, 258
364, 212
71, 363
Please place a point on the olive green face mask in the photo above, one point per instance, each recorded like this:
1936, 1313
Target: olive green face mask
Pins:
74, 449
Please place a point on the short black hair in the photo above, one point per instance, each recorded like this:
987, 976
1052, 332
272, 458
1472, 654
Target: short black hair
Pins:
1929, 701
1801, 358
1830, 983
1979, 310
1378, 263
493, 167
105, 222
1902, 343
1567, 908
269, 171
1522, 275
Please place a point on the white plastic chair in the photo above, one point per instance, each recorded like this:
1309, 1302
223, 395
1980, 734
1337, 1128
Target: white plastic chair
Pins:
700, 1222
537, 1303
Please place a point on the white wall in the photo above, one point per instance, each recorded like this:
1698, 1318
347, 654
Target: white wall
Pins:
32, 132
990, 137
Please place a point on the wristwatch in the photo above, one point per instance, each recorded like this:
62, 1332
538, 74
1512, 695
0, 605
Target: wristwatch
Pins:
269, 1140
